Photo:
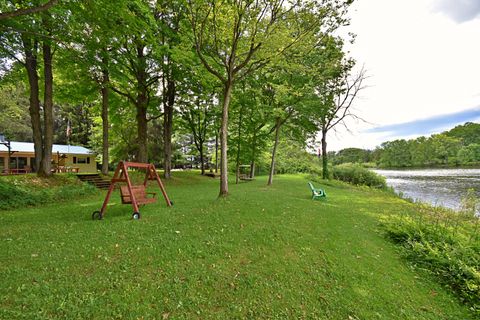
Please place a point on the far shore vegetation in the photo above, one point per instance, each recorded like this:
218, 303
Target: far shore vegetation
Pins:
458, 147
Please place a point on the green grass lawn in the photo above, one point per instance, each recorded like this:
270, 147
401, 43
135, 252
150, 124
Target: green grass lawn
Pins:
263, 253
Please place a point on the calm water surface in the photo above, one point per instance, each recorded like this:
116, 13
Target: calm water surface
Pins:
444, 187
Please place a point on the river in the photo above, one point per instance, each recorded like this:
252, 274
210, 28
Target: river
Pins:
442, 187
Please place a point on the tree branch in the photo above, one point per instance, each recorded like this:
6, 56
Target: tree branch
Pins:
126, 95
22, 12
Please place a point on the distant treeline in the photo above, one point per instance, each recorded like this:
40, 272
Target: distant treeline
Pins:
456, 147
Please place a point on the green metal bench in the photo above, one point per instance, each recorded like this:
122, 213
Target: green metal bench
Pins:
317, 193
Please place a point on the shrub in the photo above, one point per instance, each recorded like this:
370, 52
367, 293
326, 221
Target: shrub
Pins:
445, 244
291, 157
30, 190
358, 175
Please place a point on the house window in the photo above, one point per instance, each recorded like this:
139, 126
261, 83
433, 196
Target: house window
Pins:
18, 162
13, 163
81, 160
21, 162
32, 164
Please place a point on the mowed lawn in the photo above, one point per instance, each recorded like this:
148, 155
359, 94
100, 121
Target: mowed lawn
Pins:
263, 253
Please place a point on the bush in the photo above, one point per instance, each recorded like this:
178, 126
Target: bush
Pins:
445, 244
30, 190
358, 175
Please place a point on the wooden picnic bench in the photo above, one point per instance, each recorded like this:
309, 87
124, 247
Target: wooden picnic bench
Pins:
212, 175
140, 194
245, 177
317, 193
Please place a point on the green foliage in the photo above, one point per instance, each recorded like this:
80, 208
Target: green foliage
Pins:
350, 155
458, 146
292, 158
14, 117
469, 154
30, 190
445, 243
468, 133
80, 119
358, 175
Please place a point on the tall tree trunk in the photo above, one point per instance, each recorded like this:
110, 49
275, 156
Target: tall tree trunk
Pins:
168, 129
45, 168
202, 161
239, 136
254, 151
274, 151
325, 174
105, 107
142, 130
31, 64
216, 150
223, 138
141, 105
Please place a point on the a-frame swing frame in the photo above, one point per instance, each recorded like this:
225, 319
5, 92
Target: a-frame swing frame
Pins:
121, 175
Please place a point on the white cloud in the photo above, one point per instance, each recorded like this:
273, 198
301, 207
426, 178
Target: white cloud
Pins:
420, 63
459, 10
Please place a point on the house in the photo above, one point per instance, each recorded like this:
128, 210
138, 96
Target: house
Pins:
64, 158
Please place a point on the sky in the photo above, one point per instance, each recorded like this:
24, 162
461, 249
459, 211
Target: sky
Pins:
423, 63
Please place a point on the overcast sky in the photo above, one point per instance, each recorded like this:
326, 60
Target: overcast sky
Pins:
423, 62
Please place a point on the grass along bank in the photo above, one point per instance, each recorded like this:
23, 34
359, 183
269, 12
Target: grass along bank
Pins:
261, 253
443, 242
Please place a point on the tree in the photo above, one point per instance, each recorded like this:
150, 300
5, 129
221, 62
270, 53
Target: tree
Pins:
284, 91
47, 96
351, 155
336, 90
135, 70
34, 36
94, 33
468, 133
396, 154
234, 39
301, 74
14, 118
469, 154
198, 108
170, 15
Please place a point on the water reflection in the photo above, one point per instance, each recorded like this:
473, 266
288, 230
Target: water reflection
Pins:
444, 187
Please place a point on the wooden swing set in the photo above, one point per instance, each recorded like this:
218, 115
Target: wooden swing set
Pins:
135, 195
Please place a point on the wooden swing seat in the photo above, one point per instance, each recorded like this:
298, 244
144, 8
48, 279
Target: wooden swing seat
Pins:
140, 194
135, 195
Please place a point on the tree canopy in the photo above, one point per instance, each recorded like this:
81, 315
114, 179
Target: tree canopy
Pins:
158, 81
